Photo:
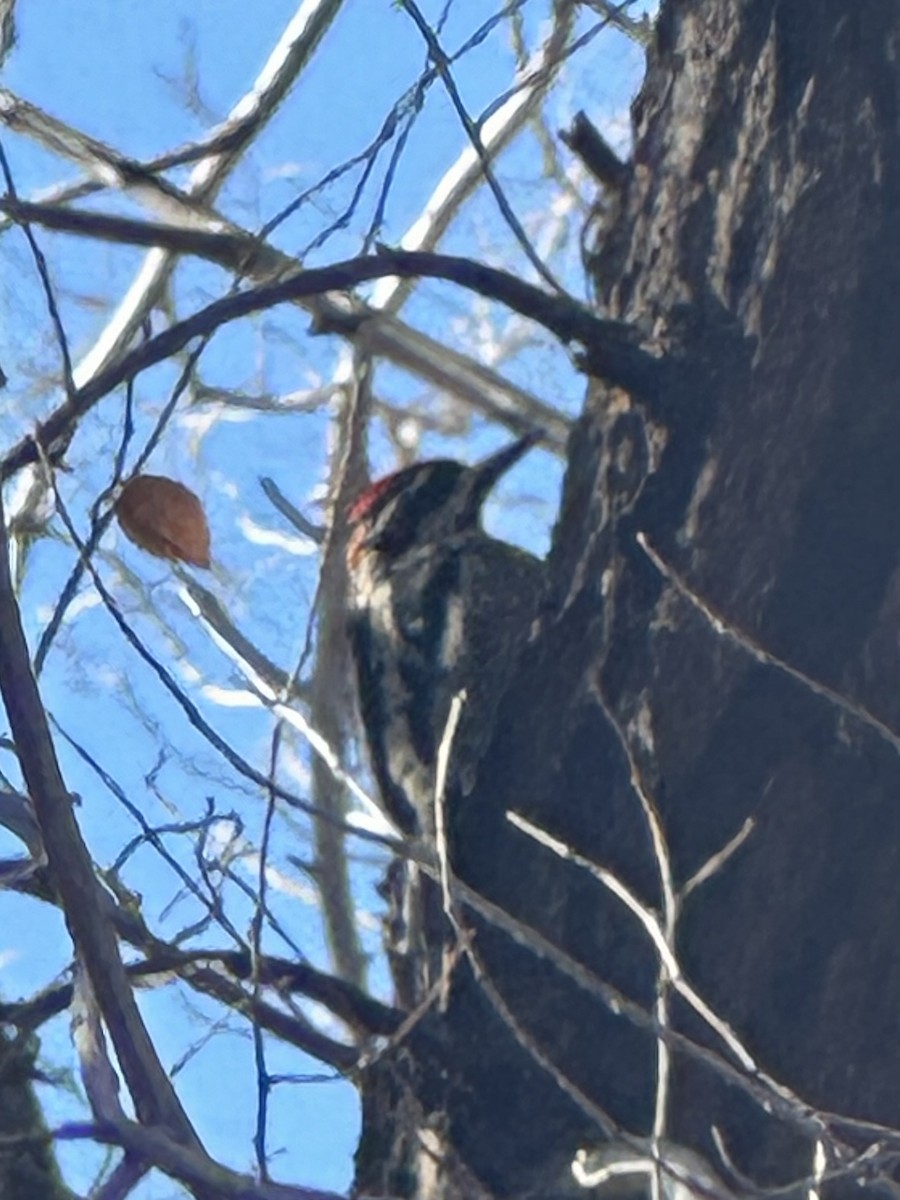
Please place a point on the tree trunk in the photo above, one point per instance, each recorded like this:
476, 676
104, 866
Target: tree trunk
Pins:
28, 1168
750, 672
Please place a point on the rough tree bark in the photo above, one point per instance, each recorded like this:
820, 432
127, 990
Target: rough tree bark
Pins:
756, 247
26, 1171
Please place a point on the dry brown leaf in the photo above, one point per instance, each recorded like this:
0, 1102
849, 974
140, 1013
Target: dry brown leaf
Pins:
165, 518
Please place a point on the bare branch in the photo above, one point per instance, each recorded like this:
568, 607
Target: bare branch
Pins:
613, 348
639, 31
201, 602
154, 1097
316, 533
350, 1004
100, 1080
478, 385
568, 319
496, 131
586, 140
249, 115
193, 714
44, 276
7, 27
236, 249
442, 63
196, 1171
661, 944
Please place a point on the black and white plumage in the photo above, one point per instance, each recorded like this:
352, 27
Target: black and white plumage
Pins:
437, 605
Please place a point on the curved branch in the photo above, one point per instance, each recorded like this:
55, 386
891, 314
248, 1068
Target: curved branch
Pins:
236, 249
563, 316
356, 1008
612, 348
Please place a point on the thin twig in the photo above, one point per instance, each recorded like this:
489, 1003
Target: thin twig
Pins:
383, 335
655, 931
316, 533
101, 517
639, 31
248, 117
263, 1080
670, 914
442, 63
192, 712
497, 128
43, 271
733, 633
716, 861
567, 318
445, 749
154, 1097
200, 1173
152, 837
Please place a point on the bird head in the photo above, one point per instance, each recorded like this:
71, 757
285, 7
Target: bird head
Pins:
427, 502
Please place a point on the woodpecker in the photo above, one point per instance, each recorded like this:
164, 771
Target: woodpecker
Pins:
436, 606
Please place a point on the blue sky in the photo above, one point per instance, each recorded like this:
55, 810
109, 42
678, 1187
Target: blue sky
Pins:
120, 70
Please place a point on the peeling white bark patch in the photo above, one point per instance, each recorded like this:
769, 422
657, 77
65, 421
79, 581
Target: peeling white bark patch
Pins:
452, 641
607, 580
643, 727
705, 481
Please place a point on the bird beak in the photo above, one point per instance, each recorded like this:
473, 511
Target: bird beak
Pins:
489, 470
